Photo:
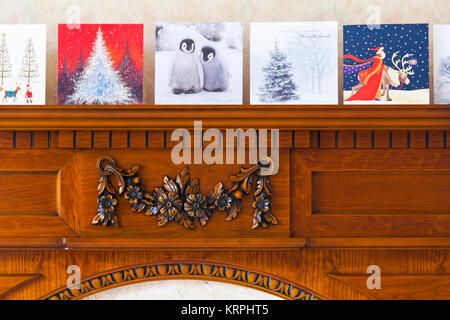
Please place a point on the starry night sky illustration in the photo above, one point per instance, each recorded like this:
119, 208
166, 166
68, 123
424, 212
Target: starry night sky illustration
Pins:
405, 38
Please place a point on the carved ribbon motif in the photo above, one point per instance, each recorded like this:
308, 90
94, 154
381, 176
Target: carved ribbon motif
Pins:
179, 199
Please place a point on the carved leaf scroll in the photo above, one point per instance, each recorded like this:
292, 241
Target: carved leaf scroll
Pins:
179, 199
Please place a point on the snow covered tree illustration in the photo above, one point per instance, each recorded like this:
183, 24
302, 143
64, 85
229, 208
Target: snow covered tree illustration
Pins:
444, 70
5, 65
29, 69
65, 87
278, 84
313, 57
99, 82
131, 76
444, 81
79, 69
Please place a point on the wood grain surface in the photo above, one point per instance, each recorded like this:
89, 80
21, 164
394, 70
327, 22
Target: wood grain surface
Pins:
346, 196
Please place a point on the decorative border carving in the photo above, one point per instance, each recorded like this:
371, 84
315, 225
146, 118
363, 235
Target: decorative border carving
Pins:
205, 271
179, 199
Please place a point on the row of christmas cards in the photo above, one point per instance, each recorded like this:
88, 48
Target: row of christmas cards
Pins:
202, 63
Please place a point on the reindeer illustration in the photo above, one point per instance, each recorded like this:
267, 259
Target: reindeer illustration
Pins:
10, 94
397, 77
392, 77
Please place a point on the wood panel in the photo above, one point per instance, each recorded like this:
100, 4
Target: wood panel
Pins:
309, 268
28, 192
138, 139
101, 139
11, 282
302, 139
83, 139
155, 165
34, 225
66, 139
401, 287
119, 139
328, 139
400, 139
349, 197
41, 139
364, 139
6, 139
382, 139
23, 140
381, 193
346, 139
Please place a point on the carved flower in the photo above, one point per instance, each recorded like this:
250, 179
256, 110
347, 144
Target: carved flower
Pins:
134, 193
107, 203
169, 204
195, 205
223, 201
261, 205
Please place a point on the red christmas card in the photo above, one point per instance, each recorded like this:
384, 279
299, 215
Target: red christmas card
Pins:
100, 64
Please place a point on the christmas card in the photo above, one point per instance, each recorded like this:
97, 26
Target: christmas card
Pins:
441, 57
100, 64
386, 64
198, 63
22, 64
293, 63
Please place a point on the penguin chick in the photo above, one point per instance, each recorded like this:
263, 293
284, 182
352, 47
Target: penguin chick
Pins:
186, 73
216, 75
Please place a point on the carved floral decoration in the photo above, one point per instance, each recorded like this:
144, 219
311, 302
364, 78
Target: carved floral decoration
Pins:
180, 199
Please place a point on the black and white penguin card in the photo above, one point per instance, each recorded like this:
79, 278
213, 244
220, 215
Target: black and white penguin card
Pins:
198, 63
293, 63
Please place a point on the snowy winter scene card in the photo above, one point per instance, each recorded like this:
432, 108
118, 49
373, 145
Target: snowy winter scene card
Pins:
386, 64
100, 64
22, 64
441, 57
198, 63
293, 63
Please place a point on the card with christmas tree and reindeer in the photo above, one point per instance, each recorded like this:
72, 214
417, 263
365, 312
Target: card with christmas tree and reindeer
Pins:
386, 64
100, 64
294, 63
22, 64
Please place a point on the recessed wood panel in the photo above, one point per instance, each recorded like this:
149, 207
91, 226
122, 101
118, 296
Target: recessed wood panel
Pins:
381, 192
28, 192
155, 164
370, 193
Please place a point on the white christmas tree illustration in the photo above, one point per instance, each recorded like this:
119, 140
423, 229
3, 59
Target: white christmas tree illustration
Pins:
29, 69
5, 65
278, 84
100, 83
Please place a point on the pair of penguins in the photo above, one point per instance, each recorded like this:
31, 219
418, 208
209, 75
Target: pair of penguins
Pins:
191, 74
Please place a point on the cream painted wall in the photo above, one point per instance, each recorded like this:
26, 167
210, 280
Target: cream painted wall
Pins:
52, 12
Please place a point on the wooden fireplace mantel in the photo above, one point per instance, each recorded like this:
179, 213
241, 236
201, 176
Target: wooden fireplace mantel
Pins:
357, 186
170, 117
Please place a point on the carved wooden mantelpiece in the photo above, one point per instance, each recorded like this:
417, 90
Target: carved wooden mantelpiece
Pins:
149, 117
356, 186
